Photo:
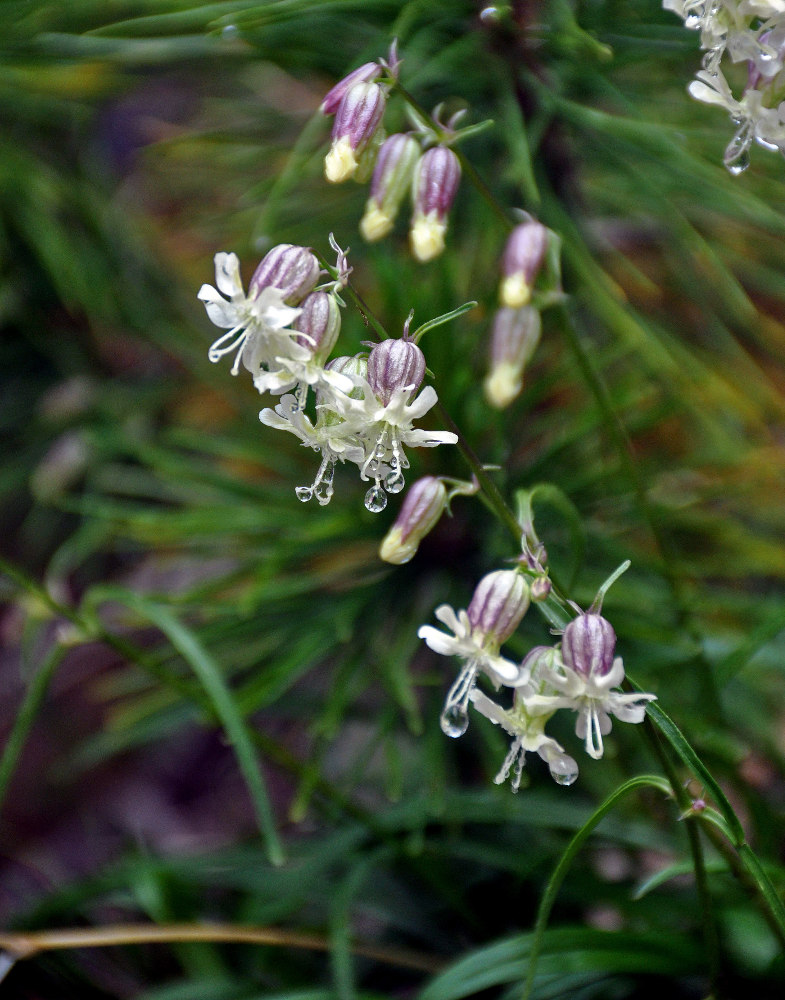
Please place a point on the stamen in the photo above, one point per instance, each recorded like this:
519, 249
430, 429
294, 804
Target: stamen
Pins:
454, 719
217, 350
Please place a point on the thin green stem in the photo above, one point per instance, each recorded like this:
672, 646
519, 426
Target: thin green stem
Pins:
559, 874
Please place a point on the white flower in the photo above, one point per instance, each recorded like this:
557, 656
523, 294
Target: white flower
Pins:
385, 430
528, 733
252, 323
480, 653
334, 438
592, 697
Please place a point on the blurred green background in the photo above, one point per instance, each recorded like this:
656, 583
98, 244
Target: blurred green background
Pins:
192, 653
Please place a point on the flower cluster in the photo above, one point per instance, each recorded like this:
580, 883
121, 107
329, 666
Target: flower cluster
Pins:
420, 164
751, 32
363, 408
580, 674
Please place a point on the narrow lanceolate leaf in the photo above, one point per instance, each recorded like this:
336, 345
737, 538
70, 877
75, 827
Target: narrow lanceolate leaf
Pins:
222, 699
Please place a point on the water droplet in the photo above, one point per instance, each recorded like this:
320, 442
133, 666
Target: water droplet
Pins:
303, 493
737, 152
323, 490
394, 482
454, 721
489, 14
375, 499
738, 164
564, 777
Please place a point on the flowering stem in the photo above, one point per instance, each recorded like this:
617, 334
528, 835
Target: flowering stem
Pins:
25, 945
466, 165
554, 884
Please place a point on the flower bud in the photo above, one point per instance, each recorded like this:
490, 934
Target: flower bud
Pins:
588, 645
514, 337
498, 604
521, 263
424, 504
394, 365
363, 74
293, 269
392, 177
436, 179
356, 120
320, 320
355, 368
541, 587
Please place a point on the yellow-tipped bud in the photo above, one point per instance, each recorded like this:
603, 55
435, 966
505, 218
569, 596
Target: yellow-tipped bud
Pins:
424, 505
426, 236
375, 224
340, 163
515, 291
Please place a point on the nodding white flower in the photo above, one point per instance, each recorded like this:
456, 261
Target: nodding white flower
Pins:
499, 603
751, 31
528, 736
299, 361
334, 438
386, 428
252, 321
584, 677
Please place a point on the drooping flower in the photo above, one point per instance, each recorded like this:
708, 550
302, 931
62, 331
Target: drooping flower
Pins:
258, 323
392, 178
357, 119
584, 678
751, 31
383, 410
498, 604
302, 357
521, 262
424, 505
436, 179
528, 736
514, 338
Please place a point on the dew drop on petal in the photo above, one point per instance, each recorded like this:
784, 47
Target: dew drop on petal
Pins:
303, 493
323, 490
394, 482
566, 776
454, 721
739, 164
737, 152
375, 499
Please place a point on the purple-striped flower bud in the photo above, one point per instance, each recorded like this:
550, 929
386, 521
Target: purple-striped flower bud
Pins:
424, 505
514, 337
521, 263
320, 320
356, 121
588, 645
293, 269
498, 604
394, 365
363, 74
392, 178
435, 185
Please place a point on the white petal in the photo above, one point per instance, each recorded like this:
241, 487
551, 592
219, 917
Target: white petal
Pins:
437, 641
222, 313
227, 275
